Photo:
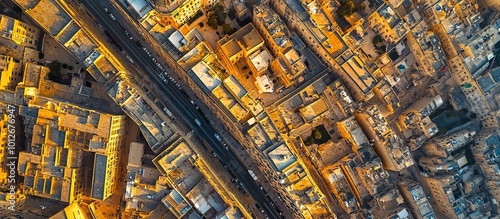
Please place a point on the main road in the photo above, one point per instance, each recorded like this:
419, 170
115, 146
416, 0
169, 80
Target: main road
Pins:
179, 101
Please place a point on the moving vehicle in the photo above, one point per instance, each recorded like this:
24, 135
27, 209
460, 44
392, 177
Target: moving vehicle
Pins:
217, 137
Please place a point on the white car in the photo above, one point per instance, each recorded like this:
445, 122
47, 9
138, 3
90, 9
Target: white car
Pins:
217, 136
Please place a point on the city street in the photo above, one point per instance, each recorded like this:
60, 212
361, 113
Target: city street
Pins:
178, 101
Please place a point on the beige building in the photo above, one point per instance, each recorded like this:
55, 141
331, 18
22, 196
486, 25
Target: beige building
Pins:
182, 11
416, 200
3, 147
390, 148
459, 195
340, 186
350, 130
19, 32
416, 123
240, 44
312, 21
10, 73
289, 64
487, 155
441, 191
64, 142
443, 146
386, 21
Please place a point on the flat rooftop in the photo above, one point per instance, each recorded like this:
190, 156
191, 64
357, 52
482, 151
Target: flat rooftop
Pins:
269, 128
275, 27
32, 73
281, 157
49, 15
85, 121
235, 86
149, 122
80, 45
331, 152
105, 67
136, 153
248, 36
176, 203
231, 47
99, 176
68, 32
230, 102
140, 6
260, 60
390, 15
252, 38
172, 158
357, 72
259, 137
206, 198
206, 75
313, 110
293, 58
201, 52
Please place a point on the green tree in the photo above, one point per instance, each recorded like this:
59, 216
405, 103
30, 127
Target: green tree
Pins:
227, 29
212, 21
377, 39
346, 9
219, 14
317, 134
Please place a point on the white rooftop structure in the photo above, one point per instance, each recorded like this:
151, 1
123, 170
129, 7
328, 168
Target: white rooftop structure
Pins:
265, 84
260, 60
203, 72
140, 6
177, 39
281, 157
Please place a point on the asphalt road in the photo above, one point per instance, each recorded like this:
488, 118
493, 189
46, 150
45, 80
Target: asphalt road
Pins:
177, 99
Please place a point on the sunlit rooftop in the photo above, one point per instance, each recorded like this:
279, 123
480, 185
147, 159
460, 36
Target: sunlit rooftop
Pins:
281, 157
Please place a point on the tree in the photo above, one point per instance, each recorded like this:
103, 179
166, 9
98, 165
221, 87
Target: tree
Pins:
377, 39
361, 6
227, 29
317, 134
346, 9
212, 21
219, 14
